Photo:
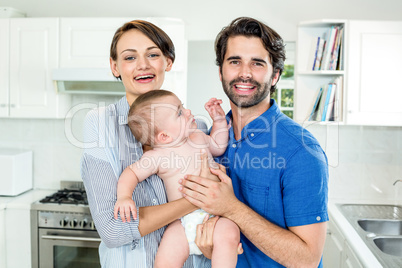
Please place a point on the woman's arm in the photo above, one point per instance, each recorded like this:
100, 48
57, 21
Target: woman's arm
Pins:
154, 217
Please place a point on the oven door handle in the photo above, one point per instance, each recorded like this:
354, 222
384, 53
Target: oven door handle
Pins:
71, 238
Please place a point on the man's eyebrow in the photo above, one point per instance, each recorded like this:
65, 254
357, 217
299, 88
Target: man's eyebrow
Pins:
259, 60
233, 58
239, 58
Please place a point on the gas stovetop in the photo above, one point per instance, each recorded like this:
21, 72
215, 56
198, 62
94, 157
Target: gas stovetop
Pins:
67, 196
71, 198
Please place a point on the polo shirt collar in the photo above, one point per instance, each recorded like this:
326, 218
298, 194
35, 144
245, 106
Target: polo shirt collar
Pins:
258, 125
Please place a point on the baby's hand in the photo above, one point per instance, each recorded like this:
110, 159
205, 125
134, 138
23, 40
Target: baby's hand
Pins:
125, 206
213, 107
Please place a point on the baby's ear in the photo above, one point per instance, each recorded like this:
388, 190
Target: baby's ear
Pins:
163, 138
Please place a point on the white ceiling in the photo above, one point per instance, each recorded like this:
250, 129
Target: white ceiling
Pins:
205, 18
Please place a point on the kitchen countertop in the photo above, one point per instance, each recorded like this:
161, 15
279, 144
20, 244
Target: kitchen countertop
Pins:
361, 250
24, 200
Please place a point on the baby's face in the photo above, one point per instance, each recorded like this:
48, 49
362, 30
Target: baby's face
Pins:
174, 119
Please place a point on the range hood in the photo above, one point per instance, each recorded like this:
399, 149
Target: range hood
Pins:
98, 81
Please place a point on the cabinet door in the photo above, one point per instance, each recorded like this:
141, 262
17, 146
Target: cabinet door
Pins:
33, 55
4, 70
374, 69
349, 259
85, 42
333, 247
2, 237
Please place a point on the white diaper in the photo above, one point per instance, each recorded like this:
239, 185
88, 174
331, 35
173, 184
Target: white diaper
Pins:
190, 222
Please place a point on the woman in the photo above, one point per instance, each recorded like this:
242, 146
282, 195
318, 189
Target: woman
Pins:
140, 54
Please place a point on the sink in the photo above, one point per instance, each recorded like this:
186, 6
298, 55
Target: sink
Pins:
380, 228
389, 245
383, 227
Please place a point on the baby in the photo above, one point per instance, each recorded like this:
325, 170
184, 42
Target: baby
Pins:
159, 120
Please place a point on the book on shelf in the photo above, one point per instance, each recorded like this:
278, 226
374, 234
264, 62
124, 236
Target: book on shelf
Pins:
327, 105
333, 65
320, 108
327, 114
328, 50
338, 111
313, 114
315, 54
318, 55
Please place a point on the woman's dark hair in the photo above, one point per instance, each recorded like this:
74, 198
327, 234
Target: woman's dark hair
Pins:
250, 27
153, 32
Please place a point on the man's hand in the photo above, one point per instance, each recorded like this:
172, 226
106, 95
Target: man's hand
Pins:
215, 197
205, 234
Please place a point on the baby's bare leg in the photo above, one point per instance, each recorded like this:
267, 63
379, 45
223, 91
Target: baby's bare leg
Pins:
173, 250
226, 240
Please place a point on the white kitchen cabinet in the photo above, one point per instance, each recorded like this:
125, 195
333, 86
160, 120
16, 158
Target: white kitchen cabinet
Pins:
18, 237
371, 67
349, 258
374, 90
2, 236
33, 52
337, 252
333, 247
4, 67
85, 43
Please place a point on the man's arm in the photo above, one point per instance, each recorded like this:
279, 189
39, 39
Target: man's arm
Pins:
299, 246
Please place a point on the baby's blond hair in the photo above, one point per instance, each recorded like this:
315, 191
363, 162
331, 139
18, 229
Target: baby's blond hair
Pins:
140, 119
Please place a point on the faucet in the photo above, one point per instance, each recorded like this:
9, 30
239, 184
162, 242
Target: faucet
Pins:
397, 182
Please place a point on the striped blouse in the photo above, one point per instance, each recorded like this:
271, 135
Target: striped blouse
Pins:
109, 149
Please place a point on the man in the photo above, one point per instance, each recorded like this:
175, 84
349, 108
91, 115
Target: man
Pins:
277, 191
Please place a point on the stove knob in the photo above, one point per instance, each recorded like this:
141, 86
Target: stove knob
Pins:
73, 223
64, 222
83, 223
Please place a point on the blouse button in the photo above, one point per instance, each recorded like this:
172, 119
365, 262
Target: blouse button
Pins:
234, 145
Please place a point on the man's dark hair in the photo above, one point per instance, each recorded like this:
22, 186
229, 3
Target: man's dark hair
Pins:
249, 27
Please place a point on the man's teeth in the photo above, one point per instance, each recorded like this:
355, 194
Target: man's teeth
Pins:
144, 77
242, 87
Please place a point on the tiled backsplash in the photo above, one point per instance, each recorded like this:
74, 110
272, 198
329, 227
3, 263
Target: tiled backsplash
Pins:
55, 158
364, 161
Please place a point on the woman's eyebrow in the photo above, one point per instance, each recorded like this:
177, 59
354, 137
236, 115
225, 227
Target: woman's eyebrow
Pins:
134, 50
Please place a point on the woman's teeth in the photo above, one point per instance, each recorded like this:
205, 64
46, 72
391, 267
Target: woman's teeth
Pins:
144, 77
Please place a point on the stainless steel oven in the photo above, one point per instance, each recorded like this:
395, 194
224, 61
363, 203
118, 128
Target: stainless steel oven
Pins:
63, 234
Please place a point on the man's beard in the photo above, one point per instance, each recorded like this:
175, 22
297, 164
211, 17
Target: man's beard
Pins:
246, 101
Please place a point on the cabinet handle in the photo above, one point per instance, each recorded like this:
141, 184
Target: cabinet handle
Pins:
12, 105
3, 105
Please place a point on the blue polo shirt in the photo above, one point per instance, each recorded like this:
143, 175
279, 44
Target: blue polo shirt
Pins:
280, 171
